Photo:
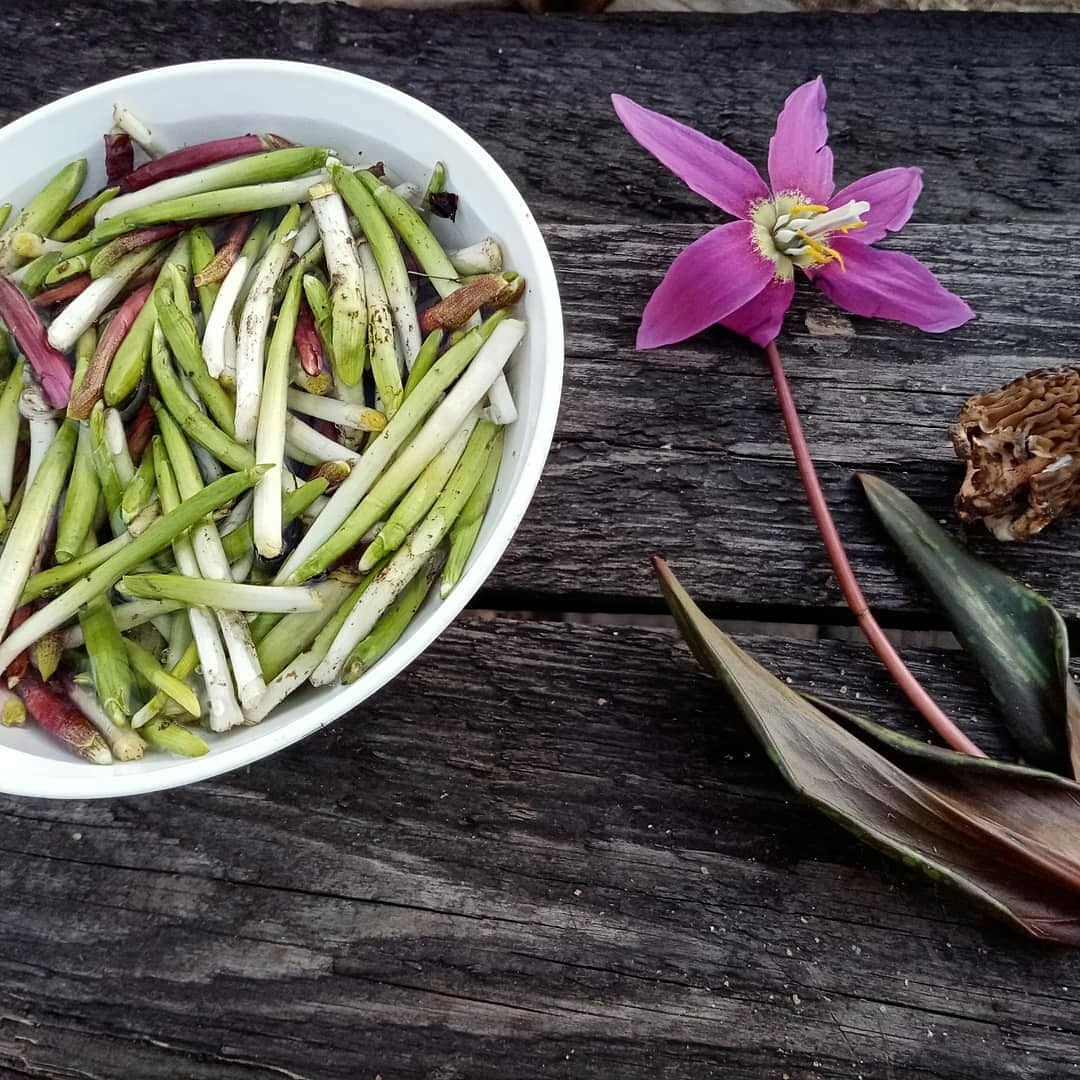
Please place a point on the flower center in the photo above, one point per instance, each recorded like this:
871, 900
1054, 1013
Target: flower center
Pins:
792, 232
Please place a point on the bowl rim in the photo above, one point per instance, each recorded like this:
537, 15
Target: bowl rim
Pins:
49, 778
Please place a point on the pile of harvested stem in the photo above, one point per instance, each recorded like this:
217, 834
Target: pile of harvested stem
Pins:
252, 411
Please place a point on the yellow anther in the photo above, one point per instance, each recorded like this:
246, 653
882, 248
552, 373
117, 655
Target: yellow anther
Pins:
834, 254
849, 228
807, 208
821, 253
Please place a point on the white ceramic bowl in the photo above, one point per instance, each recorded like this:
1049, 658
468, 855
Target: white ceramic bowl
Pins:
358, 118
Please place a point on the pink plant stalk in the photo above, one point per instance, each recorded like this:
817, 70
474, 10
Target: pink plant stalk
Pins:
217, 269
309, 346
66, 290
62, 719
119, 157
199, 156
92, 385
742, 275
50, 366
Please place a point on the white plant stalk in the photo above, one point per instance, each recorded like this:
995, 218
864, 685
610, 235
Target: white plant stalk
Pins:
271, 431
254, 326
342, 413
38, 506
9, 430
314, 447
307, 233
128, 616
348, 299
86, 308
125, 744
501, 408
221, 326
483, 257
378, 455
150, 141
224, 710
43, 426
116, 441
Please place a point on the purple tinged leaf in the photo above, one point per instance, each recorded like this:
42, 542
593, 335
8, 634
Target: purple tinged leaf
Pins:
443, 204
119, 157
1015, 635
1006, 836
199, 156
50, 366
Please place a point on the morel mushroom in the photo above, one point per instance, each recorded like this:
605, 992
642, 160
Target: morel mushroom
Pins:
1022, 447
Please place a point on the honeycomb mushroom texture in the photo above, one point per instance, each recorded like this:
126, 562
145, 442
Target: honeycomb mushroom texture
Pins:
1022, 447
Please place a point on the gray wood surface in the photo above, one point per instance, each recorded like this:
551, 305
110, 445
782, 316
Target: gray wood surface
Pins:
550, 849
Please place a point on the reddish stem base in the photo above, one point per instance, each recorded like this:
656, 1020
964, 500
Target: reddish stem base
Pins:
845, 575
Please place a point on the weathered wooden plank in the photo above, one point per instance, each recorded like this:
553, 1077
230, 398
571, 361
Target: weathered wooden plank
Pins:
681, 450
549, 850
529, 89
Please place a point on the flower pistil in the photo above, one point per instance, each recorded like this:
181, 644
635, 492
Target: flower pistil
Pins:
790, 232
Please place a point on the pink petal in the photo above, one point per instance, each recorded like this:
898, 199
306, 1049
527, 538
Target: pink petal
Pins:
761, 318
890, 285
799, 157
715, 276
891, 194
708, 167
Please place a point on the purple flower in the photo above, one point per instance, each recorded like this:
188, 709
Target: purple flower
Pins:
742, 274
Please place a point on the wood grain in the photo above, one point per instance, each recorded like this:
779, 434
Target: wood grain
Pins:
993, 127
550, 850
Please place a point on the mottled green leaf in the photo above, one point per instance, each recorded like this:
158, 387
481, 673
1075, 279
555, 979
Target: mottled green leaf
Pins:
1015, 636
1006, 836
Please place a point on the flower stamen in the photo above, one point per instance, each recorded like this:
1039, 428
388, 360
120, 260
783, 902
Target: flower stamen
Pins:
792, 232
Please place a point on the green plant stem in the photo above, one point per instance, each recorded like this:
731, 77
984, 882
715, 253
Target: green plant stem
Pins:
80, 502
43, 213
82, 217
202, 254
29, 525
188, 415
10, 423
150, 671
384, 246
131, 357
157, 536
467, 527
179, 329
220, 595
393, 623
428, 354
173, 738
109, 666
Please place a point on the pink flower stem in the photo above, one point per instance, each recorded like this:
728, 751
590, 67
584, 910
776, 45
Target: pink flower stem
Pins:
845, 575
